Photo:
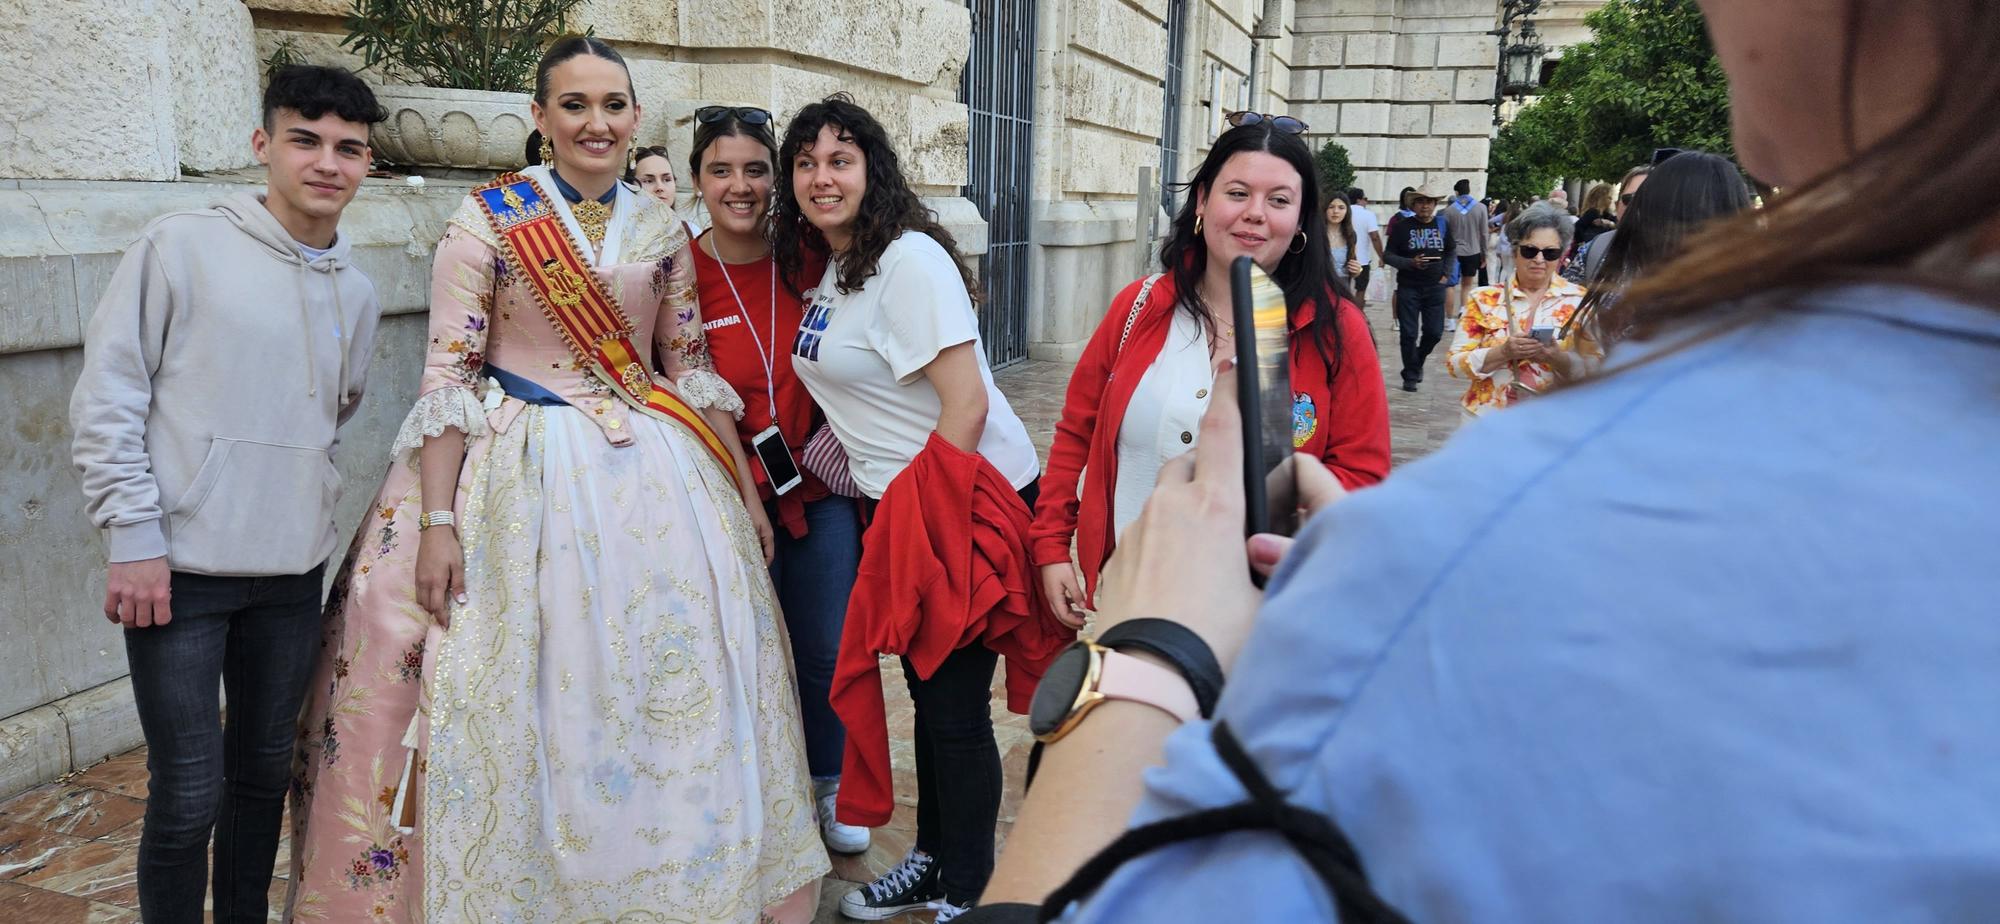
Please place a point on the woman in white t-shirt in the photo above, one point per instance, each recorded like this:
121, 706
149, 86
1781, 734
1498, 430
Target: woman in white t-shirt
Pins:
889, 347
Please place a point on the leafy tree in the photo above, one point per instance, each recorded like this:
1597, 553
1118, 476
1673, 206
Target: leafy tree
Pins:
1647, 78
1336, 170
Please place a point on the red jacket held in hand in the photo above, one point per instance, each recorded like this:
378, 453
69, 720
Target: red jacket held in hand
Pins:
944, 565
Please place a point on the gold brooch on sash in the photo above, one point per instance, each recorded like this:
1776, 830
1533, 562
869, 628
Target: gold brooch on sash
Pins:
565, 288
637, 381
591, 216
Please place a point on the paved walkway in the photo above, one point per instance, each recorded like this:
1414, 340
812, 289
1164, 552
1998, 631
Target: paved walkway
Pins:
67, 849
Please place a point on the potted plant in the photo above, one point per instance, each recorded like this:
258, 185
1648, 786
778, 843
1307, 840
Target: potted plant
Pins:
469, 66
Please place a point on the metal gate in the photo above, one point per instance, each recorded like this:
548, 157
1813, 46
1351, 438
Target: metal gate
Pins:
999, 88
1170, 122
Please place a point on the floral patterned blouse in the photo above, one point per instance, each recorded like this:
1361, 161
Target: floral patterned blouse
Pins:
1495, 313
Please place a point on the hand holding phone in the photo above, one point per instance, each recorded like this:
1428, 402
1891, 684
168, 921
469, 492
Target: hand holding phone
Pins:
1264, 399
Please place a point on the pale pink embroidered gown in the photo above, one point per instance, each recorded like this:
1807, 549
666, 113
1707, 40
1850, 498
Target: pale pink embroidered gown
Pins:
612, 731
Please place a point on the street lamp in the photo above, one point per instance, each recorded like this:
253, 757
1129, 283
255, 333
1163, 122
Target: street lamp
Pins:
1519, 70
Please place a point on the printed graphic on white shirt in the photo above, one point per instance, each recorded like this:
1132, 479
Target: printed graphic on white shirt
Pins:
812, 330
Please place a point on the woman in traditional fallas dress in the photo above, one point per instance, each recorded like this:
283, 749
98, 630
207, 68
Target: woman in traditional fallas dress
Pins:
573, 703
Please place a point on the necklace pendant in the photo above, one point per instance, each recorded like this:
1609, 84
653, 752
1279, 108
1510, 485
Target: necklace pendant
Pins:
591, 216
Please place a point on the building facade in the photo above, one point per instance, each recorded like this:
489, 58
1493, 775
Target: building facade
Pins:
1044, 132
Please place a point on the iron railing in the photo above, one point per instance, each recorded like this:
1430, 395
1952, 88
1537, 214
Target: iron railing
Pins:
999, 89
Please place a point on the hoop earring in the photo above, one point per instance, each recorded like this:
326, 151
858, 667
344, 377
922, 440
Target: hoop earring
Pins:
548, 152
1197, 222
1302, 245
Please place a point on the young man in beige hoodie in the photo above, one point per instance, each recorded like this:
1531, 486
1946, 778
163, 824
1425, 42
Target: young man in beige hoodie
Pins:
228, 347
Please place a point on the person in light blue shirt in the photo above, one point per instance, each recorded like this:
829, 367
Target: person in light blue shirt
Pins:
1709, 638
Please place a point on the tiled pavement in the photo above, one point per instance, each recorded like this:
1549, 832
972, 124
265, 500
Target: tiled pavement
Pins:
67, 849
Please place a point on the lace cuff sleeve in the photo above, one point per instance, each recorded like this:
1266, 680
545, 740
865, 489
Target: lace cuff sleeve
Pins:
702, 388
440, 408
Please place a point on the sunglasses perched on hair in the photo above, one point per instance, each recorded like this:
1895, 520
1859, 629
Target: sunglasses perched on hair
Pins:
1662, 155
1283, 123
748, 115
1551, 254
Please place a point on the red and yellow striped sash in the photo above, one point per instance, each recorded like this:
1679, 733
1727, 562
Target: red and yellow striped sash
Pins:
539, 247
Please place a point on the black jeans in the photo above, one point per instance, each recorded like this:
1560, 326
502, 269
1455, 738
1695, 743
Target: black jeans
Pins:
1419, 307
958, 763
256, 637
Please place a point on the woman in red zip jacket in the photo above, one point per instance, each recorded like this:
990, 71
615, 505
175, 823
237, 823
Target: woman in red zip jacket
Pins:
1141, 386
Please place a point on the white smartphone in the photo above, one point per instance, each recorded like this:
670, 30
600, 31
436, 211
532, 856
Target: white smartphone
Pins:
777, 460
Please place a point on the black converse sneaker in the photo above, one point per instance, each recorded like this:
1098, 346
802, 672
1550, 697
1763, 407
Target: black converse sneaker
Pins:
910, 886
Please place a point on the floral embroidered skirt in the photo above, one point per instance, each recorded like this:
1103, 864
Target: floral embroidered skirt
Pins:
607, 732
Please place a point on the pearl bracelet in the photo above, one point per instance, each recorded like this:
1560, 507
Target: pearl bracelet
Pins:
436, 518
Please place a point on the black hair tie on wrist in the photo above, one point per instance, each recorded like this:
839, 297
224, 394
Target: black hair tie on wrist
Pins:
1180, 647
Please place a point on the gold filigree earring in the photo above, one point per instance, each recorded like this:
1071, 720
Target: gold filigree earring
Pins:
548, 152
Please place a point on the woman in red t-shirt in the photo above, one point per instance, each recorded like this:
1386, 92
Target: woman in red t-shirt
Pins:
1138, 392
750, 316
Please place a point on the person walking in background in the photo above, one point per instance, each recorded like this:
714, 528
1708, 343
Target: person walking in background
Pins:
225, 353
1395, 293
1343, 243
1419, 246
1592, 256
750, 317
1137, 395
555, 645
1467, 218
1367, 241
1676, 200
1507, 340
890, 349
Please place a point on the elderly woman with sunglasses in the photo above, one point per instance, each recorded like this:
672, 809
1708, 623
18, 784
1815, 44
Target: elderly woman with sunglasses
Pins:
1510, 340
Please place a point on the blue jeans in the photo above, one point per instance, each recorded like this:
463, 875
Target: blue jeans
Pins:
814, 576
256, 637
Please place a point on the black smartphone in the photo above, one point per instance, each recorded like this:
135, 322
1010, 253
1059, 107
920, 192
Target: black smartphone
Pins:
1264, 396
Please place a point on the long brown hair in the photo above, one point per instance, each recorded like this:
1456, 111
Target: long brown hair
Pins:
1942, 163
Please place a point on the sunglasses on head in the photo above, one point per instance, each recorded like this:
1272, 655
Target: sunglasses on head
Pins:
1551, 254
748, 115
1662, 155
1283, 123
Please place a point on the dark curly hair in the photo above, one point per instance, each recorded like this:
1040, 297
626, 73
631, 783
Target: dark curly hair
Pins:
888, 208
313, 91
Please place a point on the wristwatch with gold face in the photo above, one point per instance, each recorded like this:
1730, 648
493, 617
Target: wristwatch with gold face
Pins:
1088, 673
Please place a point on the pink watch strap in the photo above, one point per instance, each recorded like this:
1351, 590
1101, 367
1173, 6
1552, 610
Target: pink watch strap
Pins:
1138, 680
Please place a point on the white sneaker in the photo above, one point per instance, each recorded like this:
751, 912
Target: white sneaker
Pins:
947, 911
840, 838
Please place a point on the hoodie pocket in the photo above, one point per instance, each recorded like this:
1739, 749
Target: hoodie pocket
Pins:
255, 508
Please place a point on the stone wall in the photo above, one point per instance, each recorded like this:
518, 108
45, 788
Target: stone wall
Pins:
1405, 85
1100, 116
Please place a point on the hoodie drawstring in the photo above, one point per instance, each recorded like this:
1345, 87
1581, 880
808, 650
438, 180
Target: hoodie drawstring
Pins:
339, 335
305, 316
